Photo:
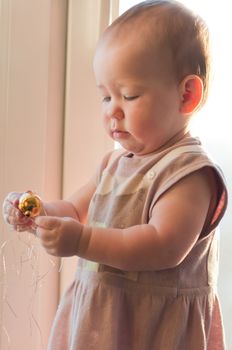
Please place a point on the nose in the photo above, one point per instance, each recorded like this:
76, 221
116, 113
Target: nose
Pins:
114, 111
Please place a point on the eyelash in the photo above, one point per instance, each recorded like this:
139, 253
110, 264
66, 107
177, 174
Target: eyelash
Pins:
106, 99
127, 98
130, 98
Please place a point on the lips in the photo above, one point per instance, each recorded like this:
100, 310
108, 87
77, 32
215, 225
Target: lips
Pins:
119, 134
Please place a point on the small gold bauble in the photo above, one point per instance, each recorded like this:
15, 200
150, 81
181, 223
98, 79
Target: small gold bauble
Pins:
30, 204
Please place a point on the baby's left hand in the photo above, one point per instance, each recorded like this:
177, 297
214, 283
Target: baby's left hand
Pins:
59, 236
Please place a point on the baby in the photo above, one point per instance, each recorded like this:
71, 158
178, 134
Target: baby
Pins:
144, 225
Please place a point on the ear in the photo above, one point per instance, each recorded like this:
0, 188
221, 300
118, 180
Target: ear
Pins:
191, 93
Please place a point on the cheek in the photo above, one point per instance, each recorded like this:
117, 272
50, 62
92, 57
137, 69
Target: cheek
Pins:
105, 120
141, 127
144, 117
103, 113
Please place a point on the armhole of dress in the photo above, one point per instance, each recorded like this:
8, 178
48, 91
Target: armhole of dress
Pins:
222, 197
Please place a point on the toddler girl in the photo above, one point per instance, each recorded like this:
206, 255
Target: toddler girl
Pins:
144, 226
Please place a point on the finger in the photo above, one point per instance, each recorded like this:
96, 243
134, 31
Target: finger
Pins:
7, 206
23, 228
51, 250
48, 222
16, 203
47, 237
13, 196
20, 228
47, 241
32, 230
10, 214
13, 216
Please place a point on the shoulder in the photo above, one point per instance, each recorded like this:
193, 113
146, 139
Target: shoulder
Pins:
191, 166
185, 160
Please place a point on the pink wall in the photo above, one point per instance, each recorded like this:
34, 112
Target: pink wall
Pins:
51, 139
32, 67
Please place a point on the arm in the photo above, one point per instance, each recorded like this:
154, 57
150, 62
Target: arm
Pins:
176, 223
76, 206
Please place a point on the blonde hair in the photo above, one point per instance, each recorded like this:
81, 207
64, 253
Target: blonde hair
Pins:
172, 26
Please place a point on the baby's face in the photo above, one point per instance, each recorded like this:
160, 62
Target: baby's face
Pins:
140, 99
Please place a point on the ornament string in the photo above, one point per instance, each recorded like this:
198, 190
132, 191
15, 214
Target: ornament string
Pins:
29, 259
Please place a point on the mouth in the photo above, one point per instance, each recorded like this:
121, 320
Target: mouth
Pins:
119, 134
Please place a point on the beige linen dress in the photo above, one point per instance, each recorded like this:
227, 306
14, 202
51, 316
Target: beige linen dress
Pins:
173, 309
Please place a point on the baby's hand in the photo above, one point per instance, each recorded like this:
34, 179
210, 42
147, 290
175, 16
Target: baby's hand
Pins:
59, 236
13, 216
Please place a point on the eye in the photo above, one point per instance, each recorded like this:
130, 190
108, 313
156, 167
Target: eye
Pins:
130, 98
106, 99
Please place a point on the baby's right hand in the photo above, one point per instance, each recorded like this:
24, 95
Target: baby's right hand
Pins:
14, 217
